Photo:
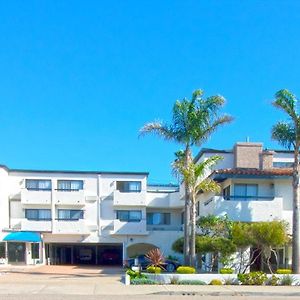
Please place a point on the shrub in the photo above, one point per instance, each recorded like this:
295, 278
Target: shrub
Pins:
216, 282
137, 281
252, 278
284, 271
155, 270
273, 280
226, 271
186, 270
174, 280
191, 282
133, 274
287, 280
230, 281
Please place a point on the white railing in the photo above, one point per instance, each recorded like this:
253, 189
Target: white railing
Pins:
129, 199
247, 210
164, 200
69, 197
35, 196
132, 228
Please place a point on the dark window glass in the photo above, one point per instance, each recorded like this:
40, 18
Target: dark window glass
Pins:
129, 186
157, 218
2, 250
35, 251
129, 215
226, 193
70, 214
38, 214
244, 192
38, 184
70, 185
282, 164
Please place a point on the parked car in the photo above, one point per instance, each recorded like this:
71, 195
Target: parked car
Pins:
169, 265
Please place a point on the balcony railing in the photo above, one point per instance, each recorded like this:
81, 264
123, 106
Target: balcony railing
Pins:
164, 228
129, 228
129, 199
36, 225
247, 209
70, 227
69, 197
35, 196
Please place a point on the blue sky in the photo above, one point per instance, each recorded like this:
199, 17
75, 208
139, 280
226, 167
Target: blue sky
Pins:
79, 78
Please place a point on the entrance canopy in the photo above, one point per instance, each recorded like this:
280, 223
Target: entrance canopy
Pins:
23, 236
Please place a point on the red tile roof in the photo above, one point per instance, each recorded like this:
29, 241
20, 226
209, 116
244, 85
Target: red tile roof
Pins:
257, 172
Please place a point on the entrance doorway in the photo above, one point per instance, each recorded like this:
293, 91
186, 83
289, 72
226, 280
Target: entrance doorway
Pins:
16, 252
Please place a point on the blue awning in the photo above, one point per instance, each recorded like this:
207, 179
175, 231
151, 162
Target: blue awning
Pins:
23, 236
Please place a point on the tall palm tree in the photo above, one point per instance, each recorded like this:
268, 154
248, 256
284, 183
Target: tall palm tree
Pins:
193, 121
194, 177
288, 135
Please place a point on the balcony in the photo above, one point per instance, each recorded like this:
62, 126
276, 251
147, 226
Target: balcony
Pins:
164, 200
129, 199
129, 228
164, 228
41, 226
69, 197
245, 209
70, 227
41, 197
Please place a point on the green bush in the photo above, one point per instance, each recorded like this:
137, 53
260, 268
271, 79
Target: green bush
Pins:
287, 280
155, 270
226, 271
284, 271
191, 282
133, 274
273, 280
216, 282
138, 281
253, 278
186, 270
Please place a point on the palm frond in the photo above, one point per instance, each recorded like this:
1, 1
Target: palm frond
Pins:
287, 102
206, 164
208, 185
159, 129
285, 134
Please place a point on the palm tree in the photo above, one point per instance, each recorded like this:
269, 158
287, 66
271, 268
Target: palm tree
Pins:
193, 121
194, 177
288, 135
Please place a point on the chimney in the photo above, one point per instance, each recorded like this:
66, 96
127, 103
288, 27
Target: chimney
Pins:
247, 155
266, 159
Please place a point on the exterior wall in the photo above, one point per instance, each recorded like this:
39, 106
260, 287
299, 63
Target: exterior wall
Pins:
247, 155
99, 200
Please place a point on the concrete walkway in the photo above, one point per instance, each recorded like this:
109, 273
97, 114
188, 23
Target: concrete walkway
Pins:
62, 281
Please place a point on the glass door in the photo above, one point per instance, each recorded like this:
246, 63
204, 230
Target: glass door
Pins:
16, 252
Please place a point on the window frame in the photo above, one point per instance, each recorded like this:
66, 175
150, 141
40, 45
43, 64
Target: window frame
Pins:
70, 213
246, 197
128, 212
165, 218
69, 181
35, 253
38, 181
122, 188
38, 218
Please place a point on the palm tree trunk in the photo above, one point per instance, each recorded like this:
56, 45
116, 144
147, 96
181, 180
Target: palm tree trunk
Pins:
193, 231
186, 232
296, 229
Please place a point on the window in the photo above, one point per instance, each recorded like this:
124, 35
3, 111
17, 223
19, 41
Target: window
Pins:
282, 164
38, 214
35, 251
129, 186
244, 192
129, 215
38, 184
69, 185
157, 218
70, 214
2, 250
226, 193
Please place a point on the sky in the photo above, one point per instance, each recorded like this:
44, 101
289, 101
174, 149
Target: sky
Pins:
78, 79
